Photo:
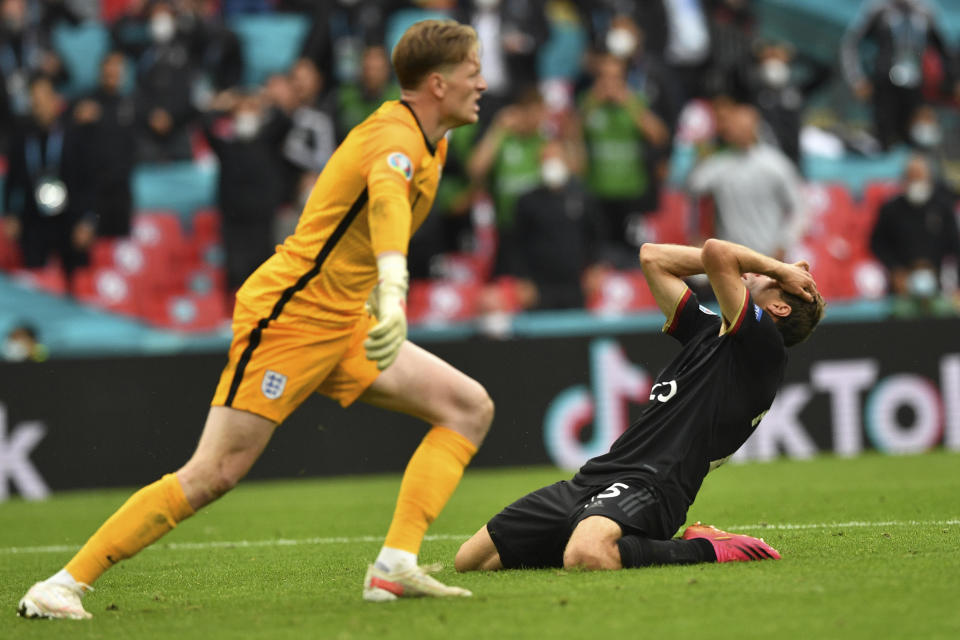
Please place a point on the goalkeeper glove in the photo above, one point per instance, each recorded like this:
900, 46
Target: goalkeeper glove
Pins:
388, 303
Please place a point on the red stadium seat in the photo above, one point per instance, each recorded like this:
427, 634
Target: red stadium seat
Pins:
432, 302
832, 210
622, 292
205, 279
49, 278
10, 257
671, 222
190, 312
107, 288
206, 226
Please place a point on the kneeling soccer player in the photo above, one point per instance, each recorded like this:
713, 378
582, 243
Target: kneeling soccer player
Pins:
622, 509
300, 327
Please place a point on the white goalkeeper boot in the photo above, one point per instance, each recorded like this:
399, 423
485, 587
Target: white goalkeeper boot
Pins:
411, 582
49, 599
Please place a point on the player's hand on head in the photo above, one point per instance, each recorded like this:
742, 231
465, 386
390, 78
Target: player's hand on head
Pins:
388, 303
796, 279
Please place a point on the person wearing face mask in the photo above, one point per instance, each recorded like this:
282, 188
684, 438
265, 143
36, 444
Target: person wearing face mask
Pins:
646, 73
558, 235
22, 345
780, 93
245, 131
914, 232
903, 31
165, 73
621, 134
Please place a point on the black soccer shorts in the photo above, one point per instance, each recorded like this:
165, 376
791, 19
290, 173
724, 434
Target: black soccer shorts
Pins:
533, 532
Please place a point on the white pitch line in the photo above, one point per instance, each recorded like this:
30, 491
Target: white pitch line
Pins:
288, 542
845, 525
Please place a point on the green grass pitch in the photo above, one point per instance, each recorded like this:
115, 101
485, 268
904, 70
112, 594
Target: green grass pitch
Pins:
871, 549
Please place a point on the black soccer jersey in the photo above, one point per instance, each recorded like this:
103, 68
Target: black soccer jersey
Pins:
703, 405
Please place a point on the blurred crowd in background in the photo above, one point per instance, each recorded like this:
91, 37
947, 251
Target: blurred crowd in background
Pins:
546, 200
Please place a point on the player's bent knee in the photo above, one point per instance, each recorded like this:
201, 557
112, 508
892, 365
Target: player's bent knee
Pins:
478, 554
465, 559
474, 412
204, 482
485, 410
593, 556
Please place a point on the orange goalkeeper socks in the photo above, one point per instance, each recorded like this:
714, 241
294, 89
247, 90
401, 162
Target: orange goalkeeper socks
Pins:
431, 476
142, 520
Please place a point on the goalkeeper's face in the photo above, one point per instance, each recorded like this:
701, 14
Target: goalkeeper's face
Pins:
463, 84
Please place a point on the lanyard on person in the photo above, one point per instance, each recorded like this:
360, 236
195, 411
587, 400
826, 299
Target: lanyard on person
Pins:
50, 192
49, 162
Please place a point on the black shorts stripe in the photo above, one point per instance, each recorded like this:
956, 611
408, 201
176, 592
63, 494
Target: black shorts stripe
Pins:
289, 292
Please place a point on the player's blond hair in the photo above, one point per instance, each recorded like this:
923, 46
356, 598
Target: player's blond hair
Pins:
431, 45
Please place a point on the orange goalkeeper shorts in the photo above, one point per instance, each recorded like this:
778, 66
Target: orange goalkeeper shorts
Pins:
272, 369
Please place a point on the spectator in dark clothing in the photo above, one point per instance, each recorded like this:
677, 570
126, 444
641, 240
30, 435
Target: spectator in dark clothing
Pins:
250, 187
214, 46
312, 138
25, 50
913, 234
48, 200
903, 31
780, 92
340, 30
558, 235
163, 96
510, 33
130, 33
105, 122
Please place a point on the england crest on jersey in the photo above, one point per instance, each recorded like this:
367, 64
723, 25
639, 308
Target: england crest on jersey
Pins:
273, 384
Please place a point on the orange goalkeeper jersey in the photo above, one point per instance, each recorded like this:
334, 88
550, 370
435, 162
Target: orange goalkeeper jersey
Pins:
372, 195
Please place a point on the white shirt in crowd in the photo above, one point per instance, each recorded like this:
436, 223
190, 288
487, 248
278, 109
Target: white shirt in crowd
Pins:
758, 197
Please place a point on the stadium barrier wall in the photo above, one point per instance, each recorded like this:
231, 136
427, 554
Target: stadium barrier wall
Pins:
64, 424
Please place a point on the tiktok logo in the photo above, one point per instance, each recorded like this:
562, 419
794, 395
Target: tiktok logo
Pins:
615, 382
15, 463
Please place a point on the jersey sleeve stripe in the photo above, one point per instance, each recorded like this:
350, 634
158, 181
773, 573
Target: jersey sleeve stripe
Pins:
290, 291
743, 312
671, 324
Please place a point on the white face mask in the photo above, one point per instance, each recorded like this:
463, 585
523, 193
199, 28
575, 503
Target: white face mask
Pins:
621, 42
776, 73
917, 193
15, 351
554, 173
246, 124
162, 27
922, 283
926, 134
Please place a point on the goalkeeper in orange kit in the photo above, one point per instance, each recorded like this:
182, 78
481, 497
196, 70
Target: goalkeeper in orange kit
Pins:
300, 326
